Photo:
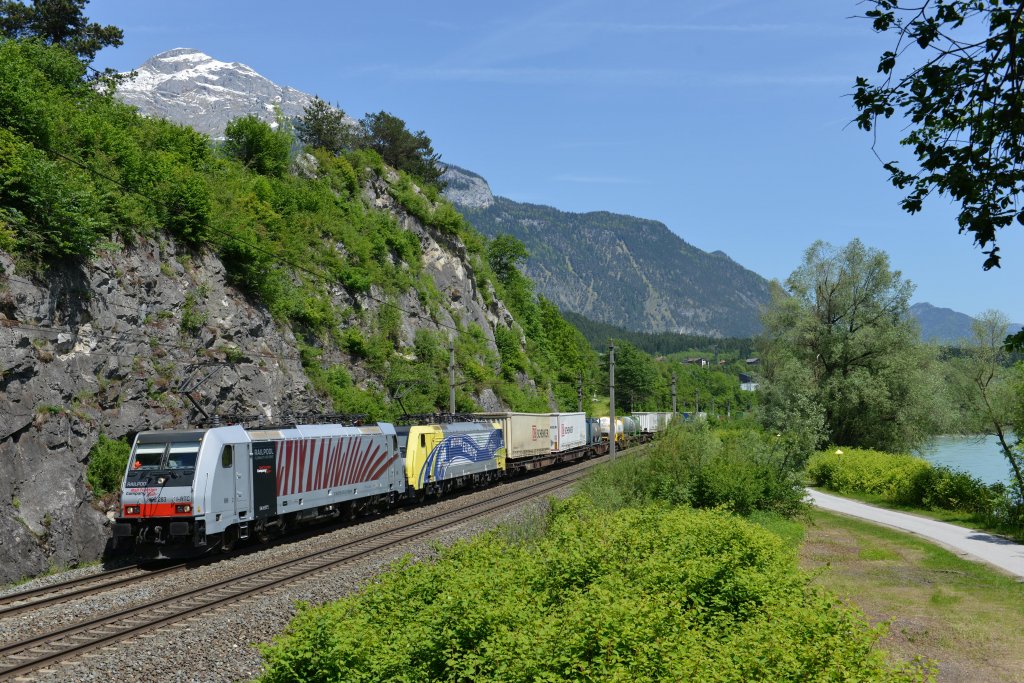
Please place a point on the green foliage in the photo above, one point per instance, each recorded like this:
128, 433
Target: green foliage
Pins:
995, 392
192, 317
906, 480
411, 152
53, 211
322, 126
640, 595
843, 343
253, 142
691, 464
962, 97
60, 142
107, 462
60, 23
336, 383
898, 478
505, 254
189, 207
636, 377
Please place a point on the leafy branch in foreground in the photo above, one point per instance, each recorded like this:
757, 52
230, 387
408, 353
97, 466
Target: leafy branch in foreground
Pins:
963, 99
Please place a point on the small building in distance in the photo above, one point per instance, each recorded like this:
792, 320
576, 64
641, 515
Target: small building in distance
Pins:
747, 383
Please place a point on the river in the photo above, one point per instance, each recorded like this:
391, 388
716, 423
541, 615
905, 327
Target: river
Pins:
979, 456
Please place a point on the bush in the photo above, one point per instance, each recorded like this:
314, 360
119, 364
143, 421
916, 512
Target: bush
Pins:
637, 595
693, 465
108, 460
897, 478
257, 145
906, 480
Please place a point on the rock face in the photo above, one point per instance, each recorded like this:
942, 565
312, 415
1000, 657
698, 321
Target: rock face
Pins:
112, 346
466, 188
189, 87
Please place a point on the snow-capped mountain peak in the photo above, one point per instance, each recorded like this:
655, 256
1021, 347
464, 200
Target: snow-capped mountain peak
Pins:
190, 87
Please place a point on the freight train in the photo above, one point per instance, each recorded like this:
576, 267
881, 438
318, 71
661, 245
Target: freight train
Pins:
190, 491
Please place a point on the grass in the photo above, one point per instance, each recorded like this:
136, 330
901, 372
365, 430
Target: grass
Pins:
964, 616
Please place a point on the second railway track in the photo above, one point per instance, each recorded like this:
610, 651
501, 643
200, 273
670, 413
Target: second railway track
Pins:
19, 658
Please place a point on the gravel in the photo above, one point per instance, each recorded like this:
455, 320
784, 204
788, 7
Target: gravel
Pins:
222, 644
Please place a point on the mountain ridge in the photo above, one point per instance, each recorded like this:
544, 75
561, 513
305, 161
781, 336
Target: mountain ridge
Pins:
945, 325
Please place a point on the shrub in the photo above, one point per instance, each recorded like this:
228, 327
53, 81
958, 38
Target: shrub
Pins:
693, 465
906, 480
257, 145
108, 460
895, 477
637, 595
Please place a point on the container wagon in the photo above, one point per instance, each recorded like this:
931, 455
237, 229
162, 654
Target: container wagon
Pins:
527, 438
648, 422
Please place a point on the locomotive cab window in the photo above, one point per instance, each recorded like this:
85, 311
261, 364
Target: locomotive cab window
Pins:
182, 456
423, 440
148, 456
227, 456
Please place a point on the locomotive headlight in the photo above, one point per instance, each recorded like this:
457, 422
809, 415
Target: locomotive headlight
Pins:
131, 509
183, 508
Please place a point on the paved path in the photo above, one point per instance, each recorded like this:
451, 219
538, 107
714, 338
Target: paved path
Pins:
976, 545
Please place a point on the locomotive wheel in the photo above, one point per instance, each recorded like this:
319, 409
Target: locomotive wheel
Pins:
229, 539
262, 533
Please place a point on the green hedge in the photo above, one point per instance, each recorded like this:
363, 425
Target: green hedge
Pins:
906, 480
898, 478
692, 464
645, 594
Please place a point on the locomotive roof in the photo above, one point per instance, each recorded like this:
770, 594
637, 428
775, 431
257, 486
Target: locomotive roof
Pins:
172, 435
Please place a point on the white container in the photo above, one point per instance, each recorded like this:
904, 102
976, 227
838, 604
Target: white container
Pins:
570, 431
648, 422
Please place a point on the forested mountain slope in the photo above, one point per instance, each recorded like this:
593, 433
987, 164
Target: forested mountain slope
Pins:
630, 272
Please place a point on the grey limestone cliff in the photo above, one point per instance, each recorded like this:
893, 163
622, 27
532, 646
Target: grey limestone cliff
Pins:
108, 347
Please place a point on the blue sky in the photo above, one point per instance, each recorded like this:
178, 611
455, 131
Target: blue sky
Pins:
727, 120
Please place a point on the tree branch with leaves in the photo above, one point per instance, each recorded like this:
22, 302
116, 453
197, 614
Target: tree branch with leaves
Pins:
956, 74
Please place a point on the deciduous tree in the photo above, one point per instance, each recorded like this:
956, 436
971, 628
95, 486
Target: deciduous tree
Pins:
843, 342
998, 389
257, 145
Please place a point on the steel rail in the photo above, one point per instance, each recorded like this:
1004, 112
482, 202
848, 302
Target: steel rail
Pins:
40, 651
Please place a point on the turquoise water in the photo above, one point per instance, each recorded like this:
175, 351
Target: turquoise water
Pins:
977, 455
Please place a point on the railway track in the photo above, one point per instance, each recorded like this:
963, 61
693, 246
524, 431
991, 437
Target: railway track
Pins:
19, 658
16, 603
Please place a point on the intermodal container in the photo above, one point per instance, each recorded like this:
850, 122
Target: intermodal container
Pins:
526, 434
570, 431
